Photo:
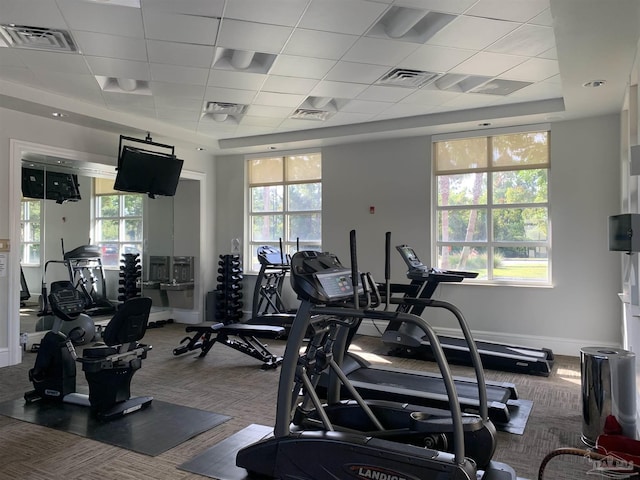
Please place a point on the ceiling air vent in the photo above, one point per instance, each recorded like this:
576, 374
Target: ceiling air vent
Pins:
37, 38
311, 114
404, 77
224, 107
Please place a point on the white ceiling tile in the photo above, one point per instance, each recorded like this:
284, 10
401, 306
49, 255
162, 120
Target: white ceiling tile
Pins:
204, 8
20, 75
57, 62
35, 13
533, 70
180, 53
175, 27
276, 12
253, 36
314, 43
469, 100
551, 88
177, 114
343, 118
233, 79
133, 108
381, 93
545, 18
300, 124
444, 6
10, 57
229, 95
116, 99
177, 90
102, 18
278, 99
406, 110
356, 72
365, 106
113, 67
430, 95
514, 10
551, 54
179, 74
434, 58
275, 83
472, 32
83, 87
487, 63
530, 40
352, 17
304, 67
379, 52
269, 111
184, 103
328, 88
103, 45
256, 121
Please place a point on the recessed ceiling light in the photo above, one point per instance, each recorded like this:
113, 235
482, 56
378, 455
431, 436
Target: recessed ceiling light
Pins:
200, 149
595, 83
272, 148
484, 124
58, 114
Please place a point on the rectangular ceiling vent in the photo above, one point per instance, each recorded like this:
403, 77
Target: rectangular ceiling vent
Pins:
500, 87
311, 114
225, 107
404, 77
37, 38
455, 82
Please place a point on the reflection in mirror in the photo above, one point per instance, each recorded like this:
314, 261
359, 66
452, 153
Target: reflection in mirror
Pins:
81, 235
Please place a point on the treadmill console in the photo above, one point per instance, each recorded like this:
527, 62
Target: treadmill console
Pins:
419, 271
272, 257
320, 278
66, 301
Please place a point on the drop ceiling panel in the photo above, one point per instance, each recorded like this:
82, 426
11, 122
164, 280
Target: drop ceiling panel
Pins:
185, 54
356, 72
56, 62
328, 88
365, 106
533, 70
255, 121
435, 58
267, 111
104, 45
194, 104
377, 51
44, 13
514, 10
430, 96
276, 12
490, 64
353, 17
530, 40
113, 67
275, 83
254, 37
133, 101
180, 28
229, 95
313, 43
205, 8
83, 87
385, 94
304, 67
472, 32
239, 80
177, 114
445, 6
20, 75
278, 99
545, 18
177, 90
102, 18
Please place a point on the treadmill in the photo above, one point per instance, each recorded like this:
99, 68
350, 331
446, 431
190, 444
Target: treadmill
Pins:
426, 388
407, 341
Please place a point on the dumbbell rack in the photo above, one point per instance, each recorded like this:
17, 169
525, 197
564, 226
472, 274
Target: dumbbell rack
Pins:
229, 289
130, 272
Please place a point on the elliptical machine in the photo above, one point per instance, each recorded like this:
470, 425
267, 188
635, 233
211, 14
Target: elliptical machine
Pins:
108, 367
318, 444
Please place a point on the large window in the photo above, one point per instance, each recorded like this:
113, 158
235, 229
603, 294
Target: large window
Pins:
118, 222
30, 225
492, 206
285, 204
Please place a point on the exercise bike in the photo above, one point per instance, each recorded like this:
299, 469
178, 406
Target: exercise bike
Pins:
109, 366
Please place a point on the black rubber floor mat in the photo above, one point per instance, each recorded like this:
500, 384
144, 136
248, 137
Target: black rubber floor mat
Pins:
151, 431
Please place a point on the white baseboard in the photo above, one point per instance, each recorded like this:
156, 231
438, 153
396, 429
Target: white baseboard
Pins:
559, 346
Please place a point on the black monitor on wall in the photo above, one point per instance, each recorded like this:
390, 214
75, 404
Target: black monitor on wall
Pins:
624, 233
144, 171
58, 186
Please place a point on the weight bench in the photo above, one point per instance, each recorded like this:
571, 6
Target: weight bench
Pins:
245, 341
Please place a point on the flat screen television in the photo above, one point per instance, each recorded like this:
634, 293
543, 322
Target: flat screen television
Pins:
624, 233
144, 171
58, 186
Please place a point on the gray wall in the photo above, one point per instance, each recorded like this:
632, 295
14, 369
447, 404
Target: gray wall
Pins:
581, 308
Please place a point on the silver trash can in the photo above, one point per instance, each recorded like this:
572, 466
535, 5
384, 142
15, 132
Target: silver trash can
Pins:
608, 388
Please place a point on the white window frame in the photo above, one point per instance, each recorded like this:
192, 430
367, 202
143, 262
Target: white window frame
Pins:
287, 246
121, 224
490, 244
24, 244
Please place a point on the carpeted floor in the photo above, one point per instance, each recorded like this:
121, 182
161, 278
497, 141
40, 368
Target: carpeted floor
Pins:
230, 383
